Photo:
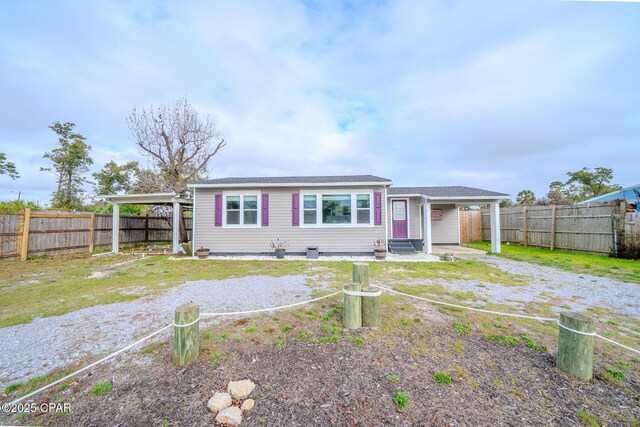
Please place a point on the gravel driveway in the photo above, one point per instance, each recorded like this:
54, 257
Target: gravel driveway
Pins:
46, 343
555, 287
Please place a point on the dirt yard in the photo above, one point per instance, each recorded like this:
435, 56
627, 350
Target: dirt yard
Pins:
308, 370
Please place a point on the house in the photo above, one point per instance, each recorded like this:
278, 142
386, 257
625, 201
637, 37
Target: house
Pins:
630, 194
341, 215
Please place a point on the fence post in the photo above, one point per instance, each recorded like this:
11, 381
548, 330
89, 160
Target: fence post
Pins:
24, 247
352, 317
525, 236
552, 238
92, 231
575, 345
186, 335
360, 275
371, 307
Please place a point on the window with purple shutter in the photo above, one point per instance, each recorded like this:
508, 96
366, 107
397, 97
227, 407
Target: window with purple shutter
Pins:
377, 208
295, 209
218, 210
265, 209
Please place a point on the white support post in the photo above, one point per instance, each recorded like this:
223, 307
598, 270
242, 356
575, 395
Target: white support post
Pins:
427, 226
115, 228
176, 227
495, 227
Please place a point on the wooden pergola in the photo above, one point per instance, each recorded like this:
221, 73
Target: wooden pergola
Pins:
159, 199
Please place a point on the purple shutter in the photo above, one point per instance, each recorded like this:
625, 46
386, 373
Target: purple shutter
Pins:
377, 208
295, 209
265, 209
218, 209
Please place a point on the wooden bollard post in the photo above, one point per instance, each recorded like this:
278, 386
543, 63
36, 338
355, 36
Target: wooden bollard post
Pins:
575, 349
186, 336
371, 307
360, 275
352, 313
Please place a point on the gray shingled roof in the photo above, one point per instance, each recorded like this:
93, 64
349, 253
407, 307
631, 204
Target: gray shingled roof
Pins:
298, 180
447, 191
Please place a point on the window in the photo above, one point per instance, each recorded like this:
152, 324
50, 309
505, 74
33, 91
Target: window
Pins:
241, 210
250, 210
336, 209
310, 209
363, 209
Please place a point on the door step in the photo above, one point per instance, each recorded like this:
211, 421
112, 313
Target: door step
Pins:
401, 247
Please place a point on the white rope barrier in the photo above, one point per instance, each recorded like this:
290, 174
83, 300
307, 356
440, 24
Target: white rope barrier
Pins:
588, 334
362, 294
618, 344
156, 333
262, 310
26, 396
522, 316
188, 324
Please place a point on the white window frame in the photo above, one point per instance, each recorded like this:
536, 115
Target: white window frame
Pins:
333, 192
226, 194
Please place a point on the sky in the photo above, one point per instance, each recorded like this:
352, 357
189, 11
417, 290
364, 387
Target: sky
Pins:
502, 95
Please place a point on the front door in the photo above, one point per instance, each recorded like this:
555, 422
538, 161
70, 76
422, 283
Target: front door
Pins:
399, 219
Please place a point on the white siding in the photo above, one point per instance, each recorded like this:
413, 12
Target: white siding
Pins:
257, 240
447, 229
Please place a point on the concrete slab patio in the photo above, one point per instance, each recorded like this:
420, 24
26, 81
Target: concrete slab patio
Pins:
456, 250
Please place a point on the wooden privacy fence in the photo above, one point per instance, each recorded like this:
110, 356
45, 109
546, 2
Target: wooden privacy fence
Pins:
470, 226
55, 233
588, 228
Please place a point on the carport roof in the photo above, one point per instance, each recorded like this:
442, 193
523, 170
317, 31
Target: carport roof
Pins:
447, 192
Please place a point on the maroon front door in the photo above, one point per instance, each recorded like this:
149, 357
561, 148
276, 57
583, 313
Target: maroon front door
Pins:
399, 219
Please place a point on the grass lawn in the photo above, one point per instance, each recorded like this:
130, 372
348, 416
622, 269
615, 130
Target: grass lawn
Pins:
598, 265
54, 286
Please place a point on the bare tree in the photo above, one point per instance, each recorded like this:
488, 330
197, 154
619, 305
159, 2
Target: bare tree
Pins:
179, 145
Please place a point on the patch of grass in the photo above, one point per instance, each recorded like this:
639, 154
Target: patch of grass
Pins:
588, 418
42, 380
596, 265
150, 348
278, 345
417, 320
126, 277
287, 328
529, 342
207, 336
102, 388
393, 378
250, 329
358, 341
442, 377
405, 322
457, 346
218, 358
302, 335
314, 340
506, 341
12, 387
401, 400
617, 374
223, 337
461, 328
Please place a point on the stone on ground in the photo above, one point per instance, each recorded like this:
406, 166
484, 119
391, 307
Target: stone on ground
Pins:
232, 416
248, 405
241, 389
218, 402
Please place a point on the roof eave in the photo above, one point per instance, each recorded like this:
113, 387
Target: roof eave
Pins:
291, 184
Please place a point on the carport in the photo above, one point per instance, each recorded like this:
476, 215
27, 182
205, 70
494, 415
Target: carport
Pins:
156, 199
424, 208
